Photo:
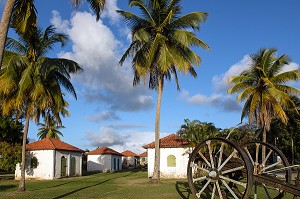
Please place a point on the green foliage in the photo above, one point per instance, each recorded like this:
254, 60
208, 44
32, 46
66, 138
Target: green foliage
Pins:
10, 130
10, 156
50, 128
195, 131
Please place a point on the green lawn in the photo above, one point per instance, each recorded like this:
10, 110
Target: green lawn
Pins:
123, 185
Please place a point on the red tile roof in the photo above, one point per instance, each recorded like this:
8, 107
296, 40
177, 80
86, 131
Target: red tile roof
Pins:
143, 154
51, 144
103, 150
170, 141
129, 153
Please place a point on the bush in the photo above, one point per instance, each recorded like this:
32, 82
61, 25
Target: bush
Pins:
11, 154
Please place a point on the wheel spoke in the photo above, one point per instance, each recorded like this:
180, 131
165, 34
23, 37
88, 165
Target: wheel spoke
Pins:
199, 179
267, 192
256, 153
213, 192
229, 189
221, 154
249, 155
210, 154
232, 170
267, 157
234, 181
229, 157
271, 165
203, 188
219, 190
198, 167
204, 158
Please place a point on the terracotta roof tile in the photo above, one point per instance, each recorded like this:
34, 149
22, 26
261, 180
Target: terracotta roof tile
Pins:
170, 141
143, 154
129, 153
51, 144
103, 150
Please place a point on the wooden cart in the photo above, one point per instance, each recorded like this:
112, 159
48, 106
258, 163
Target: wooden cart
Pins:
220, 168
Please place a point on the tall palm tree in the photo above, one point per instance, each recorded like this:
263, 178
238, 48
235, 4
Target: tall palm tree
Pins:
23, 17
31, 84
161, 41
263, 87
49, 129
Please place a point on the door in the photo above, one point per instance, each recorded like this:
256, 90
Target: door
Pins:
73, 166
115, 164
63, 166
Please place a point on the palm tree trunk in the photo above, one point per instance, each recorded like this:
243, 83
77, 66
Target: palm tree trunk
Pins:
264, 139
156, 172
5, 25
25, 133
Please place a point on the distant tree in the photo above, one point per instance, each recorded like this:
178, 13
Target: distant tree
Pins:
11, 130
10, 155
264, 88
242, 134
195, 131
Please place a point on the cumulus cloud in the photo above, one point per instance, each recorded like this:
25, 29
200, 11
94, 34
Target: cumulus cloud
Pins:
222, 101
96, 49
110, 12
103, 116
289, 67
120, 141
220, 82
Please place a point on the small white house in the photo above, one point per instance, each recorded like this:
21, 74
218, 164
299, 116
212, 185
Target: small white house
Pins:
174, 156
104, 159
51, 158
143, 159
129, 159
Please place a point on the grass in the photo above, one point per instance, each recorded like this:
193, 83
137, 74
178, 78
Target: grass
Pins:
123, 185
119, 185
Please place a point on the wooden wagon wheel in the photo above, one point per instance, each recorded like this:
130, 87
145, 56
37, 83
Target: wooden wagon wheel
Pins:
274, 169
219, 168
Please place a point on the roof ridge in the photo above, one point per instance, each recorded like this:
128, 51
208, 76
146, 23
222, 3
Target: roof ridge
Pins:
52, 143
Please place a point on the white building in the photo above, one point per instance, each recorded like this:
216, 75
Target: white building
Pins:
104, 159
129, 159
174, 156
50, 158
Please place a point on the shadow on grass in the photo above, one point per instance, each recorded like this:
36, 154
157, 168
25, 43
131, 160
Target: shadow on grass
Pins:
72, 192
183, 190
6, 187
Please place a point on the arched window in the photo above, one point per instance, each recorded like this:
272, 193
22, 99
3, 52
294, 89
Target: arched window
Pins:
171, 161
33, 163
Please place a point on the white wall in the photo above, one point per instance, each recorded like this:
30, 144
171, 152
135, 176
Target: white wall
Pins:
179, 171
46, 160
102, 162
44, 168
68, 154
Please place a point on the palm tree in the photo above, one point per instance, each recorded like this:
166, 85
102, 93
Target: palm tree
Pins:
195, 131
263, 87
50, 129
190, 131
23, 17
161, 41
31, 84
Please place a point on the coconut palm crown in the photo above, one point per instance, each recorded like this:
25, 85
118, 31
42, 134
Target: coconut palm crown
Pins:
161, 46
264, 88
31, 83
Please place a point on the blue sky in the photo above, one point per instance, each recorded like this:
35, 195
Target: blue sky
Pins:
110, 112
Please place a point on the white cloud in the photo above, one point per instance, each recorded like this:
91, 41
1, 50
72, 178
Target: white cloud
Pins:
220, 82
96, 49
121, 141
289, 67
110, 12
224, 102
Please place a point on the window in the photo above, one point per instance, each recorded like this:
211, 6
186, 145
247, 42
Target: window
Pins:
143, 159
33, 163
171, 161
